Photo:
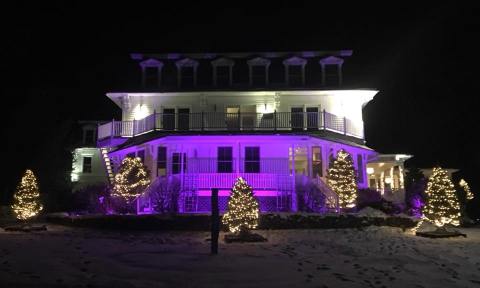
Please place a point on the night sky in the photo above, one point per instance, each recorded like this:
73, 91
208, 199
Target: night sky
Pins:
59, 60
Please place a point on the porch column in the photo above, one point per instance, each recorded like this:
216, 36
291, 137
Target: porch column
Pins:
294, 193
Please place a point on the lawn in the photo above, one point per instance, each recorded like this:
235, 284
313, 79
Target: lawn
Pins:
371, 257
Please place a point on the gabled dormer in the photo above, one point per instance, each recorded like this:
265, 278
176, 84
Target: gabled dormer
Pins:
151, 73
222, 74
295, 71
331, 70
187, 72
258, 71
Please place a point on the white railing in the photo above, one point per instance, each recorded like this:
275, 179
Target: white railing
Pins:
227, 180
218, 121
331, 196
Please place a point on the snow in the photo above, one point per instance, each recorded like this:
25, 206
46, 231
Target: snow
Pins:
370, 212
368, 257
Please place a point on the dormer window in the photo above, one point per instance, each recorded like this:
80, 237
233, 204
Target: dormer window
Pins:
187, 72
222, 72
258, 71
331, 71
295, 71
151, 73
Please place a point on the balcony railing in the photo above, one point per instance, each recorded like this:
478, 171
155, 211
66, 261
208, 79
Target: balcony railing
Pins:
218, 121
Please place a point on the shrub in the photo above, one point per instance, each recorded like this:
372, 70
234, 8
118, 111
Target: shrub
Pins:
164, 193
309, 197
372, 198
92, 199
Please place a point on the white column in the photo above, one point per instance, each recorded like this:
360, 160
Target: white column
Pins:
294, 193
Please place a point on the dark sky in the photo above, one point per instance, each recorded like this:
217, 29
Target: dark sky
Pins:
59, 60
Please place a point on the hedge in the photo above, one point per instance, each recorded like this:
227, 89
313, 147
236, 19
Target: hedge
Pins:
201, 222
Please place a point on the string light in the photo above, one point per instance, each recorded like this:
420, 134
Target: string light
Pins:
466, 188
243, 213
341, 179
132, 179
26, 202
442, 206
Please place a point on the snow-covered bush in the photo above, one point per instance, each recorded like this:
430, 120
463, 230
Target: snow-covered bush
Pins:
372, 198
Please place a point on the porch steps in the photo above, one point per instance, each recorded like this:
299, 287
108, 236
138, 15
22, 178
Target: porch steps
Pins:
108, 164
332, 197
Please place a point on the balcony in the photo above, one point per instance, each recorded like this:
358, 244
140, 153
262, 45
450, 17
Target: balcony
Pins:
219, 121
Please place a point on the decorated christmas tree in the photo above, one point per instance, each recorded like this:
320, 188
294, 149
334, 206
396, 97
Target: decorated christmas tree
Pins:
341, 179
442, 206
466, 188
26, 202
242, 214
131, 180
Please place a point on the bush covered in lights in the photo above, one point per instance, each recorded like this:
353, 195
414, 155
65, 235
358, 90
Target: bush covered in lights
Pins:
131, 180
341, 179
442, 205
242, 212
26, 202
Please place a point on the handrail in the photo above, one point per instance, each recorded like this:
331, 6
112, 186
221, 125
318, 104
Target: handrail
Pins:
243, 121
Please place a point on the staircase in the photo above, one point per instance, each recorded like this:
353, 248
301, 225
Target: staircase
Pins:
108, 165
331, 197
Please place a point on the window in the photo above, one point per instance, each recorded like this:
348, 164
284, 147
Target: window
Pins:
223, 76
87, 165
161, 161
187, 77
259, 75
131, 155
332, 75
252, 159
224, 160
295, 75
360, 168
89, 136
141, 155
317, 161
151, 77
177, 162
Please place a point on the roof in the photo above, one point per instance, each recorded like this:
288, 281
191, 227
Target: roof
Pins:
326, 135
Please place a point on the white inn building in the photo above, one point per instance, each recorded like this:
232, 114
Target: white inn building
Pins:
275, 119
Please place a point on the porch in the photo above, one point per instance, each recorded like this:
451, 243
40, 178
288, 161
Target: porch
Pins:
242, 121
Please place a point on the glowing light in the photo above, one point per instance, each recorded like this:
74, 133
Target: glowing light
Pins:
140, 112
26, 202
341, 179
243, 212
442, 206
132, 179
370, 170
466, 188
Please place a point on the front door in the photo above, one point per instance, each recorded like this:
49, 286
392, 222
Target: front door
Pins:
183, 118
168, 119
232, 118
312, 118
296, 118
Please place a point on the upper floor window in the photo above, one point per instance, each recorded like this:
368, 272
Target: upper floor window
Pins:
317, 161
331, 71
295, 71
161, 161
151, 73
89, 136
87, 165
187, 72
252, 159
179, 160
224, 160
258, 71
222, 72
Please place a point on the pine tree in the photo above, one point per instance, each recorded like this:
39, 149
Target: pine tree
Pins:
466, 188
242, 214
131, 180
341, 179
442, 206
26, 202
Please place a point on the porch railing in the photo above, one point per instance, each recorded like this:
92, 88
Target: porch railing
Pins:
219, 121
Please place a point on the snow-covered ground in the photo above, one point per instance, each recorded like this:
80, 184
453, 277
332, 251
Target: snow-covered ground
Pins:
374, 257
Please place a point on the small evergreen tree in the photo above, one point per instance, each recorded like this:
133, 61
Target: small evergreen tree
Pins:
341, 179
243, 213
131, 180
26, 202
442, 205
